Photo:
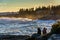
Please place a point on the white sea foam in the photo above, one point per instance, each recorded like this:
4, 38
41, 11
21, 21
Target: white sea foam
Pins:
14, 26
21, 19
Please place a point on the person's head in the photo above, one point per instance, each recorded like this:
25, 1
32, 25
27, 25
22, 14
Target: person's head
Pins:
39, 29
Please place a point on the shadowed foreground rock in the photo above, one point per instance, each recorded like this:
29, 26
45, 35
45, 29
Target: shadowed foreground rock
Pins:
13, 37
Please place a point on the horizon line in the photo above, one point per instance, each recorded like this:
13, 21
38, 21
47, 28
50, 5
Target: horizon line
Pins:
27, 8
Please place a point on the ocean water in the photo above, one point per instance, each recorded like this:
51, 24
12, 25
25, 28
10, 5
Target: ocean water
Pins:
18, 26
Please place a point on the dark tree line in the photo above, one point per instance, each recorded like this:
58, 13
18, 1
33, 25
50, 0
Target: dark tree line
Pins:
39, 12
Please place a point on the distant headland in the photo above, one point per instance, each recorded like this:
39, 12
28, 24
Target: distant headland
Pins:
43, 13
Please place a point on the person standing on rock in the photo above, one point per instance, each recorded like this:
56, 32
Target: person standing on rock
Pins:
39, 31
44, 31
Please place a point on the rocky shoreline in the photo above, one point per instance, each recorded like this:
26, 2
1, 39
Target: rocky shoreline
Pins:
14, 37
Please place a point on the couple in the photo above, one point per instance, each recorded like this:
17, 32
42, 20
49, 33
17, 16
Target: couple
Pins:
44, 31
38, 35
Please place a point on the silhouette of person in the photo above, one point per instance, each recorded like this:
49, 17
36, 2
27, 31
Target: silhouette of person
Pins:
36, 35
44, 30
39, 31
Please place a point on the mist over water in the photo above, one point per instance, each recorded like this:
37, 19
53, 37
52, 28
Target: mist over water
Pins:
23, 26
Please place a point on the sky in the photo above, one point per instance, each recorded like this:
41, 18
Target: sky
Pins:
15, 5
